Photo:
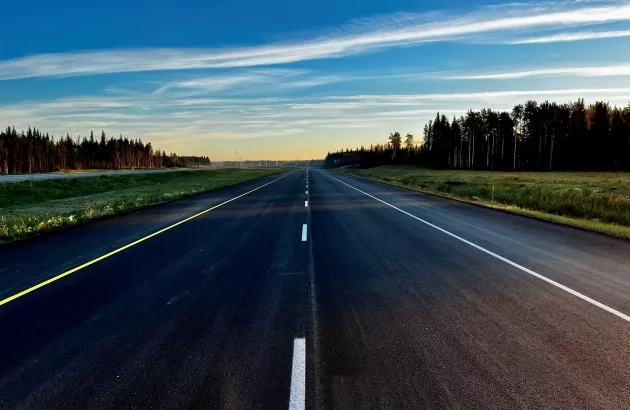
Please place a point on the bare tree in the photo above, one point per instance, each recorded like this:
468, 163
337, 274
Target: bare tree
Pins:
517, 117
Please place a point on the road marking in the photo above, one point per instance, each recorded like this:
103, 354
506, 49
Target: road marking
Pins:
304, 233
297, 400
317, 398
306, 192
122, 248
306, 204
499, 257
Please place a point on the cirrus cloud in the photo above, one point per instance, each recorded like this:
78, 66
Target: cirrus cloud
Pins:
363, 36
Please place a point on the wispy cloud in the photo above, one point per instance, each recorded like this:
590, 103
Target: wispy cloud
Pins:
223, 82
571, 36
316, 81
596, 71
601, 93
356, 37
121, 111
210, 84
209, 122
252, 81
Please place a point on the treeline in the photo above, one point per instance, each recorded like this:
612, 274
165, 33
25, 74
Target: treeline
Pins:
196, 162
34, 151
534, 137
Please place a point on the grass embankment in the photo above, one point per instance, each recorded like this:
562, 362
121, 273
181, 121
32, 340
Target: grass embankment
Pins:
592, 200
28, 208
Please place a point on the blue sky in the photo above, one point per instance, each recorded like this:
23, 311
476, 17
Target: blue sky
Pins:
286, 79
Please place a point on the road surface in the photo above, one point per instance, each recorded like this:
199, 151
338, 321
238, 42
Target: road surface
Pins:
66, 175
314, 290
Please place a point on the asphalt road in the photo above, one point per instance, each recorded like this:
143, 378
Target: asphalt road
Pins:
386, 299
68, 175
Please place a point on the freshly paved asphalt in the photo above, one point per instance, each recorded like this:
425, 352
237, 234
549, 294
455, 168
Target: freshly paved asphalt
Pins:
396, 312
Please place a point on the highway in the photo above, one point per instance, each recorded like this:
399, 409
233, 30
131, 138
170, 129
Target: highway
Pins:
314, 290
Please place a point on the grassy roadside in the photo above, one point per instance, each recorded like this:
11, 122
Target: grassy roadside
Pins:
28, 208
129, 170
589, 200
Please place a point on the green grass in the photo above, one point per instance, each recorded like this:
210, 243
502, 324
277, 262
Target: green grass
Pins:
591, 200
130, 170
28, 208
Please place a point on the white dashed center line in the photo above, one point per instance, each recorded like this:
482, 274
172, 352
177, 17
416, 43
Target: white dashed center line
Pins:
297, 400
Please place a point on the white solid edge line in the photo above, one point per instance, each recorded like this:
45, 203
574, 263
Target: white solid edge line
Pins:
305, 204
304, 233
501, 258
297, 400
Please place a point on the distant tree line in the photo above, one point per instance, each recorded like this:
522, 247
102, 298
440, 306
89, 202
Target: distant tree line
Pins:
196, 162
34, 151
534, 137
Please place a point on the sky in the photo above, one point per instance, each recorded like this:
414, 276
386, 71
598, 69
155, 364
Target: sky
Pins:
282, 79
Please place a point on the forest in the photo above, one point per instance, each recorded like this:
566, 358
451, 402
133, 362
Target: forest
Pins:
532, 137
34, 152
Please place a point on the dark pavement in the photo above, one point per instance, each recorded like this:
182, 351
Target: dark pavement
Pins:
396, 313
201, 316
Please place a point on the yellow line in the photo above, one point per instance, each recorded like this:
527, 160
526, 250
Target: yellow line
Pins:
107, 255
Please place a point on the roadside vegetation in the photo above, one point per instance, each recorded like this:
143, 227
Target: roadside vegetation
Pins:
567, 162
598, 201
34, 151
532, 137
28, 208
